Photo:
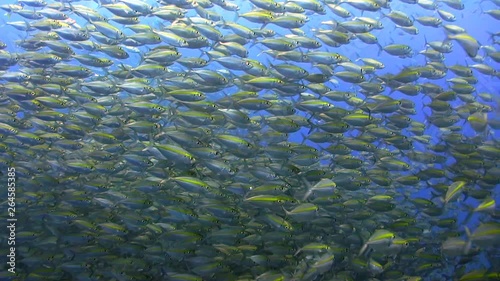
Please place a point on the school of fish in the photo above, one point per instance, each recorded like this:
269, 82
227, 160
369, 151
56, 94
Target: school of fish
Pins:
193, 140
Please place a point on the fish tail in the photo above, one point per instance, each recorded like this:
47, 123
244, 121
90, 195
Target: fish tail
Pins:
285, 210
264, 52
469, 241
491, 37
449, 37
71, 8
380, 49
310, 188
304, 138
236, 17
313, 126
270, 63
141, 54
469, 216
363, 250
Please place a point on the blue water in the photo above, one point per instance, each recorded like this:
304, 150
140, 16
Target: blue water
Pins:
476, 23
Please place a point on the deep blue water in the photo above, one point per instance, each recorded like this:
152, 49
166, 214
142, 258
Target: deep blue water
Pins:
476, 23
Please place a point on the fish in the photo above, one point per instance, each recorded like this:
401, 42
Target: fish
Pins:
268, 140
379, 240
468, 43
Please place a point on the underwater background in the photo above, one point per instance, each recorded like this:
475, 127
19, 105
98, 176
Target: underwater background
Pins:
250, 140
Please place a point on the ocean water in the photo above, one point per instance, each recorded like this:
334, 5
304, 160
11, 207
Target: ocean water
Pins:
147, 204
